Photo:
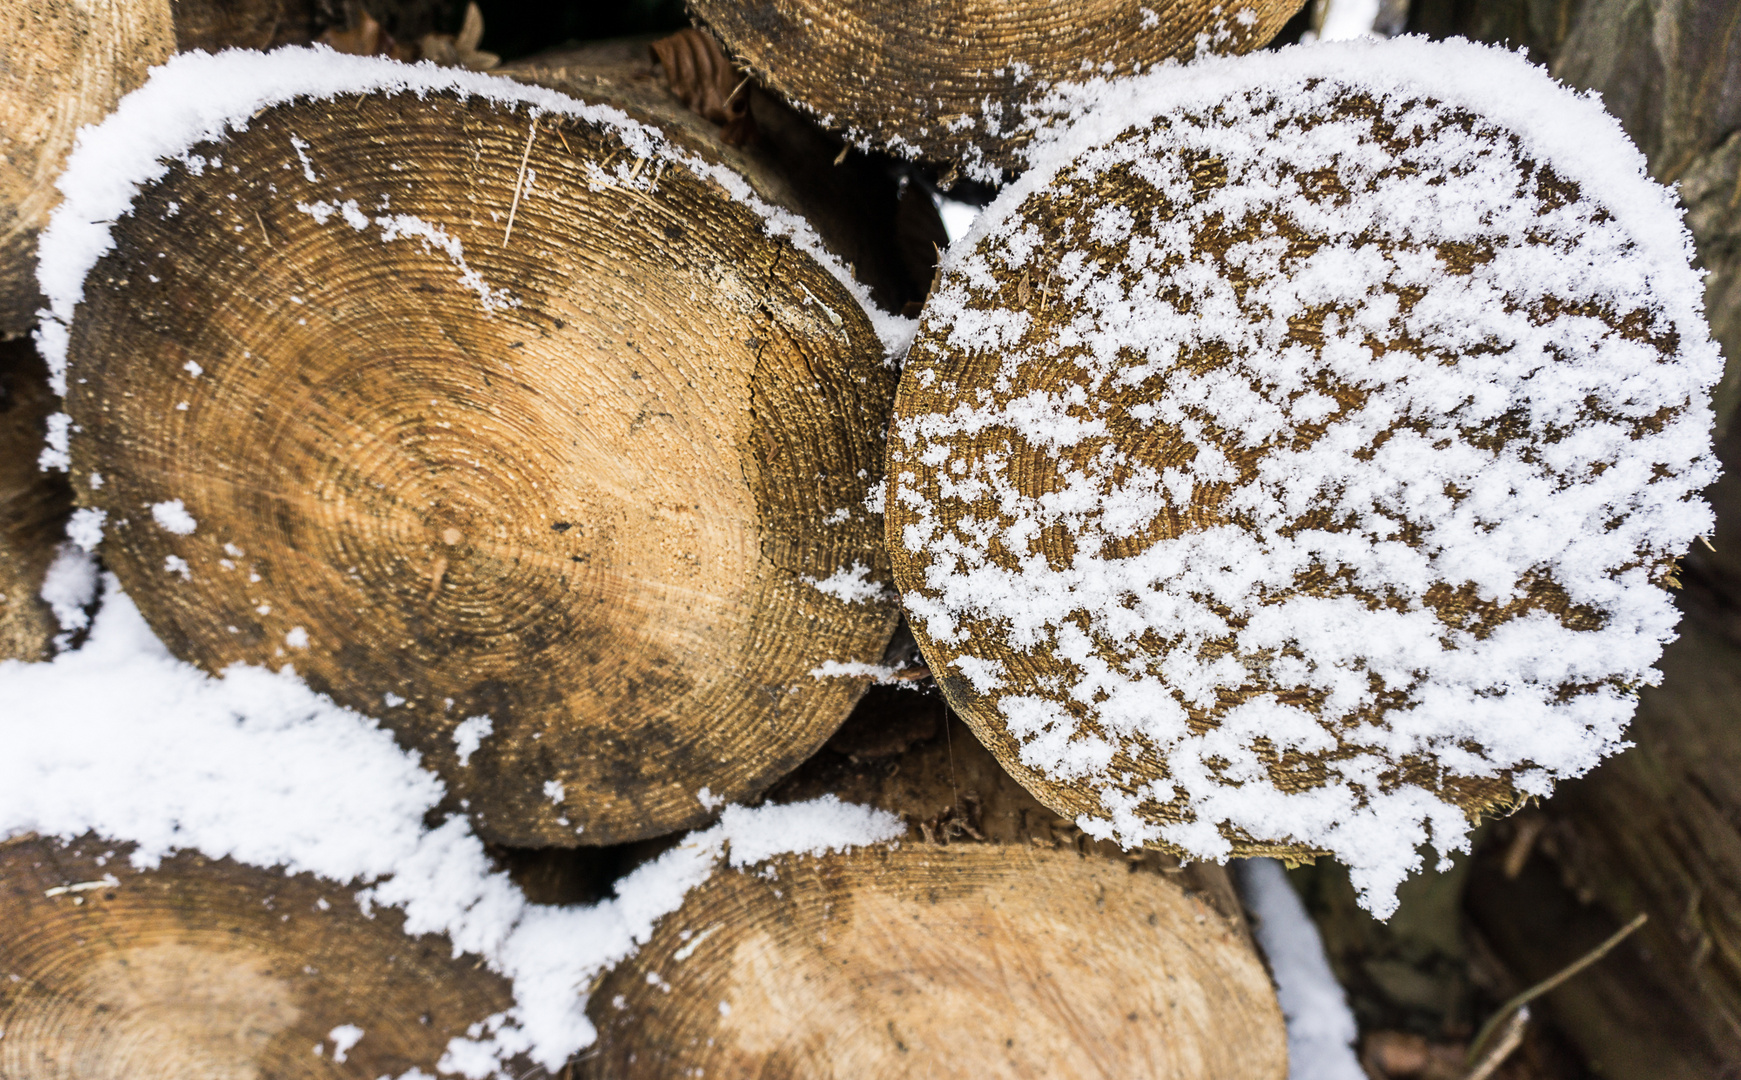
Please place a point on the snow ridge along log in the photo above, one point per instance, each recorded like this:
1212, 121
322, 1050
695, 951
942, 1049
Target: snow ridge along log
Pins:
951, 81
208, 968
995, 940
33, 505
575, 507
1291, 462
64, 64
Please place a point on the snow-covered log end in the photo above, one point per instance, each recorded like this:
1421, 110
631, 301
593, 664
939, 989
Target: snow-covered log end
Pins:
1291, 460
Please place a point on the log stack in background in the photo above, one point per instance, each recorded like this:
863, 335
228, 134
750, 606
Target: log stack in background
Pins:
994, 940
948, 82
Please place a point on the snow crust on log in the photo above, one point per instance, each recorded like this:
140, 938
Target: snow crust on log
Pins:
1596, 502
121, 739
197, 97
1321, 1028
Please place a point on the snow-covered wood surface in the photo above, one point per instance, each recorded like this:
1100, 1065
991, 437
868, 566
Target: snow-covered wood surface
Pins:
1295, 457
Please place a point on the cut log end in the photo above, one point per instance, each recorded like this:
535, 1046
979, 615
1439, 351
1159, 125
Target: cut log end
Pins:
994, 940
210, 968
575, 507
1287, 570
949, 81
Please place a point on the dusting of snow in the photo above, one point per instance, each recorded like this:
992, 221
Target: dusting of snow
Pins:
296, 638
343, 1038
175, 564
173, 517
394, 226
85, 527
70, 585
121, 739
1344, 552
709, 800
197, 97
1321, 1028
850, 585
469, 735
553, 790
56, 455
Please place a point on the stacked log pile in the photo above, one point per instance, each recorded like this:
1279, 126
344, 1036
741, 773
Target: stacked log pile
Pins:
563, 431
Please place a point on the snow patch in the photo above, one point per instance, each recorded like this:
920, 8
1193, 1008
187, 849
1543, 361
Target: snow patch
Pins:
470, 735
851, 585
1321, 1028
173, 517
121, 739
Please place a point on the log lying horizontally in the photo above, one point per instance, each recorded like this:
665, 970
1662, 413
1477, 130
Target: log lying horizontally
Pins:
33, 505
207, 968
1247, 489
948, 81
537, 443
994, 941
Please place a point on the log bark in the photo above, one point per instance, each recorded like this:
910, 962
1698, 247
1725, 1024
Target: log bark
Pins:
1671, 72
948, 81
554, 505
208, 968
34, 505
995, 940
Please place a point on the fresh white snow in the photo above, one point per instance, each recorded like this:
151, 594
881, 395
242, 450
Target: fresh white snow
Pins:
851, 585
121, 739
1321, 1029
173, 517
1593, 498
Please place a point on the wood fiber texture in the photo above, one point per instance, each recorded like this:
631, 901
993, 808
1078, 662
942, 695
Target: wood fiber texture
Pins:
579, 480
927, 472
206, 969
994, 940
947, 81
33, 505
887, 232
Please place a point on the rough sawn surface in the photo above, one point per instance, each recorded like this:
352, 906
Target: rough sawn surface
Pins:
1292, 461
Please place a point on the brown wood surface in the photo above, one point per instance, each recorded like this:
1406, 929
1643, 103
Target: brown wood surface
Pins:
887, 232
920, 79
65, 63
33, 504
939, 374
995, 940
206, 969
592, 515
